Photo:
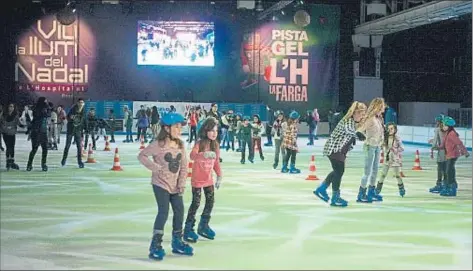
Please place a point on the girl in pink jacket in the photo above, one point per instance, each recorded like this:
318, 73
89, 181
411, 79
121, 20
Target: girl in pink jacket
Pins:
454, 148
205, 154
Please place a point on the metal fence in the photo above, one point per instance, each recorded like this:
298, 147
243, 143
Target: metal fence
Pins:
462, 116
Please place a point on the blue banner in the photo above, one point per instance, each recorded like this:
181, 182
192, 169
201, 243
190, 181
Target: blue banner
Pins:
245, 109
102, 108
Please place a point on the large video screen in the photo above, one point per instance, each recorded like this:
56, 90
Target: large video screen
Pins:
175, 43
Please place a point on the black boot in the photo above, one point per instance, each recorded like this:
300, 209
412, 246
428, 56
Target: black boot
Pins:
8, 163
29, 166
44, 156
13, 165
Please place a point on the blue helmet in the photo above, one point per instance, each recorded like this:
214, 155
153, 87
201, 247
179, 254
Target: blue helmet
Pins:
172, 118
279, 112
448, 121
294, 115
440, 117
246, 118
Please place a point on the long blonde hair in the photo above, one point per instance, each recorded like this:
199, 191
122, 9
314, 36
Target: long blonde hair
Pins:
355, 106
374, 109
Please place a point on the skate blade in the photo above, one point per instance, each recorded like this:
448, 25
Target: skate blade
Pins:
338, 205
207, 236
178, 252
320, 196
155, 258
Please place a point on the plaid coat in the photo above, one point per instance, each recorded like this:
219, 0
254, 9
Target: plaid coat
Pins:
340, 136
290, 137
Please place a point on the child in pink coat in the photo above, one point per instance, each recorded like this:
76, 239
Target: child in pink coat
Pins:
205, 154
454, 149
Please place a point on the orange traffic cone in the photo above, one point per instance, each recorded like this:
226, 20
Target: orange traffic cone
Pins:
107, 144
417, 162
116, 162
90, 156
312, 169
189, 169
83, 152
142, 146
381, 159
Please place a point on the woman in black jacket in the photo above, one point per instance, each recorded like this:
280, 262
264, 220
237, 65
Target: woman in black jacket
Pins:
39, 132
9, 123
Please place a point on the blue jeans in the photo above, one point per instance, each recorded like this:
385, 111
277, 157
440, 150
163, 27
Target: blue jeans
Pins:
371, 165
224, 137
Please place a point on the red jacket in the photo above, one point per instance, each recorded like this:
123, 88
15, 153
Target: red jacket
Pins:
193, 119
454, 147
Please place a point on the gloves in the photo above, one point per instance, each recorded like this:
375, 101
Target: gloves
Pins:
219, 181
360, 136
210, 155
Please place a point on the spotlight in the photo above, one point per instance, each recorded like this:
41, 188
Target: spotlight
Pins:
259, 6
274, 18
283, 13
67, 15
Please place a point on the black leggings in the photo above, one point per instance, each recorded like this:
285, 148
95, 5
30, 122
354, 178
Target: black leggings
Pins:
209, 203
451, 173
335, 177
290, 154
38, 139
10, 145
77, 138
441, 172
163, 198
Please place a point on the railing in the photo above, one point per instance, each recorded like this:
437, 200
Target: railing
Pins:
462, 116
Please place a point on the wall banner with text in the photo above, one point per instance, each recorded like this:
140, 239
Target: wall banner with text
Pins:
293, 63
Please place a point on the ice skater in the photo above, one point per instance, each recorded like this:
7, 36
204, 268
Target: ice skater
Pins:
205, 155
169, 173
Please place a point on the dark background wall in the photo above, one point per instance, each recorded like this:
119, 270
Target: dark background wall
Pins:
430, 63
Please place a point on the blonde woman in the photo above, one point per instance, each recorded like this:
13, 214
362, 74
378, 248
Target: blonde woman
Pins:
373, 129
336, 148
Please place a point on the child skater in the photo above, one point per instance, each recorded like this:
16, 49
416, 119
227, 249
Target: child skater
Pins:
290, 144
454, 148
341, 141
169, 172
279, 126
393, 148
205, 154
373, 129
245, 137
437, 141
257, 133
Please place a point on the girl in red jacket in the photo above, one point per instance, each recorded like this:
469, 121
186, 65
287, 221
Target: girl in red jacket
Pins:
205, 154
454, 148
